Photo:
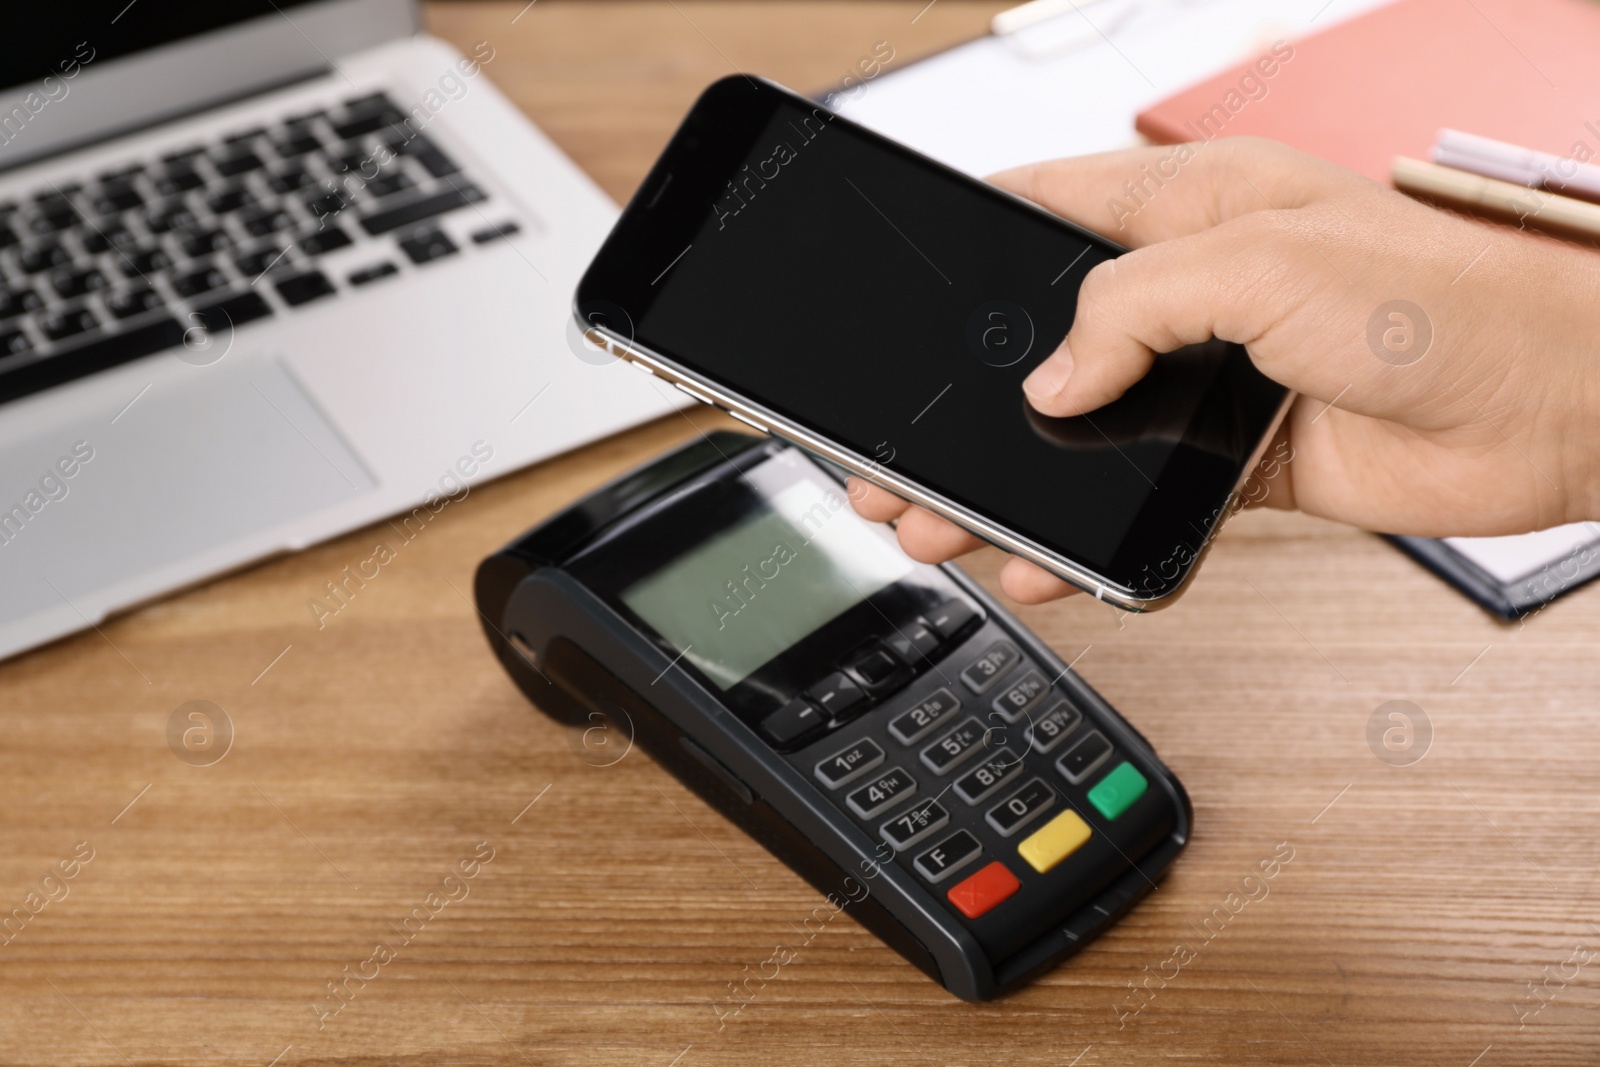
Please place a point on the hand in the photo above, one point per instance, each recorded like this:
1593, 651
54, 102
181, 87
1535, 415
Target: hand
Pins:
1486, 428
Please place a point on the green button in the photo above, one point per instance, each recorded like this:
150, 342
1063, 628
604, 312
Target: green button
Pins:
1118, 790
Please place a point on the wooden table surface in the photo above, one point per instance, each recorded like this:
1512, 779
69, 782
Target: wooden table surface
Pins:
1436, 913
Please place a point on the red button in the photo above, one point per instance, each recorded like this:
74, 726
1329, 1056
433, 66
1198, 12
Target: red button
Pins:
977, 894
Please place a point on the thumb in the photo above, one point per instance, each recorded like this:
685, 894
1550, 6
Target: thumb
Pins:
1226, 282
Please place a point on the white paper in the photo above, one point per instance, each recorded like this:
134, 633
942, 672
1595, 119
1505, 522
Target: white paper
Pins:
988, 105
1510, 559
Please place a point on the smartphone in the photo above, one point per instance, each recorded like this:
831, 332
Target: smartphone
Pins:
877, 308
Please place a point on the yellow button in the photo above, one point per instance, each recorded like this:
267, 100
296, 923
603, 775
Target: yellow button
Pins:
1058, 839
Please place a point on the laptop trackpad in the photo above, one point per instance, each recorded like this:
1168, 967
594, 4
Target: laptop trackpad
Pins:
205, 462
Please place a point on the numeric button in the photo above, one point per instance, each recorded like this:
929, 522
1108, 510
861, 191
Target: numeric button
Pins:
911, 826
962, 743
991, 666
889, 788
1021, 696
933, 709
1017, 810
1051, 727
850, 764
980, 782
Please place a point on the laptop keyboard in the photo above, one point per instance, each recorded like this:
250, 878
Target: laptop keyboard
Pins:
129, 262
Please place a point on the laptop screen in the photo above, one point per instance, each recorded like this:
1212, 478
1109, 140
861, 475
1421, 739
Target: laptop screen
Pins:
54, 38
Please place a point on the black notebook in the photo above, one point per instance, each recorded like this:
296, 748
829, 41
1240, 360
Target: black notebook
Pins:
1512, 576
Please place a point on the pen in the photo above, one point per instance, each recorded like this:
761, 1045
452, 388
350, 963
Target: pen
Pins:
1513, 163
1551, 212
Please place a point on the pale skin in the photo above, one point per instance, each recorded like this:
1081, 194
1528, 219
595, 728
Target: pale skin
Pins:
1492, 431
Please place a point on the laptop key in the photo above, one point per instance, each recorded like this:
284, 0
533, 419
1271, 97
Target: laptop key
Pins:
355, 158
509, 228
234, 310
68, 323
116, 196
89, 356
235, 164
369, 100
172, 215
326, 204
289, 179
427, 245
204, 242
324, 241
230, 199
296, 143
199, 281
41, 258
127, 303
178, 179
372, 122
259, 223
138, 262
303, 288
8, 236
103, 237
432, 159
53, 221
436, 162
122, 173
13, 342
373, 273
424, 208
254, 264
389, 184
71, 283
14, 302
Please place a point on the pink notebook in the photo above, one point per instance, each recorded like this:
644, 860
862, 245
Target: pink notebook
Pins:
1383, 83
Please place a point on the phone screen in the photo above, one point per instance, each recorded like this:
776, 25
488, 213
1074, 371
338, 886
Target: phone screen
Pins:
894, 306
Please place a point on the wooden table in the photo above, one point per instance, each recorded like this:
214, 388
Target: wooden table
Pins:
371, 758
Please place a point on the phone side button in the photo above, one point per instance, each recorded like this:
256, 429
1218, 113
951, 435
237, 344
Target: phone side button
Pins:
753, 424
685, 389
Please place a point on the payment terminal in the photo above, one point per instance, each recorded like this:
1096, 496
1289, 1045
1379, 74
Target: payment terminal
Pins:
883, 726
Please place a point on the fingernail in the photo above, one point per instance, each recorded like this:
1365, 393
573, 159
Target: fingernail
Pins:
1049, 377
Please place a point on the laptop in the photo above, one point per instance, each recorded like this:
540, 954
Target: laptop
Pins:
270, 270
